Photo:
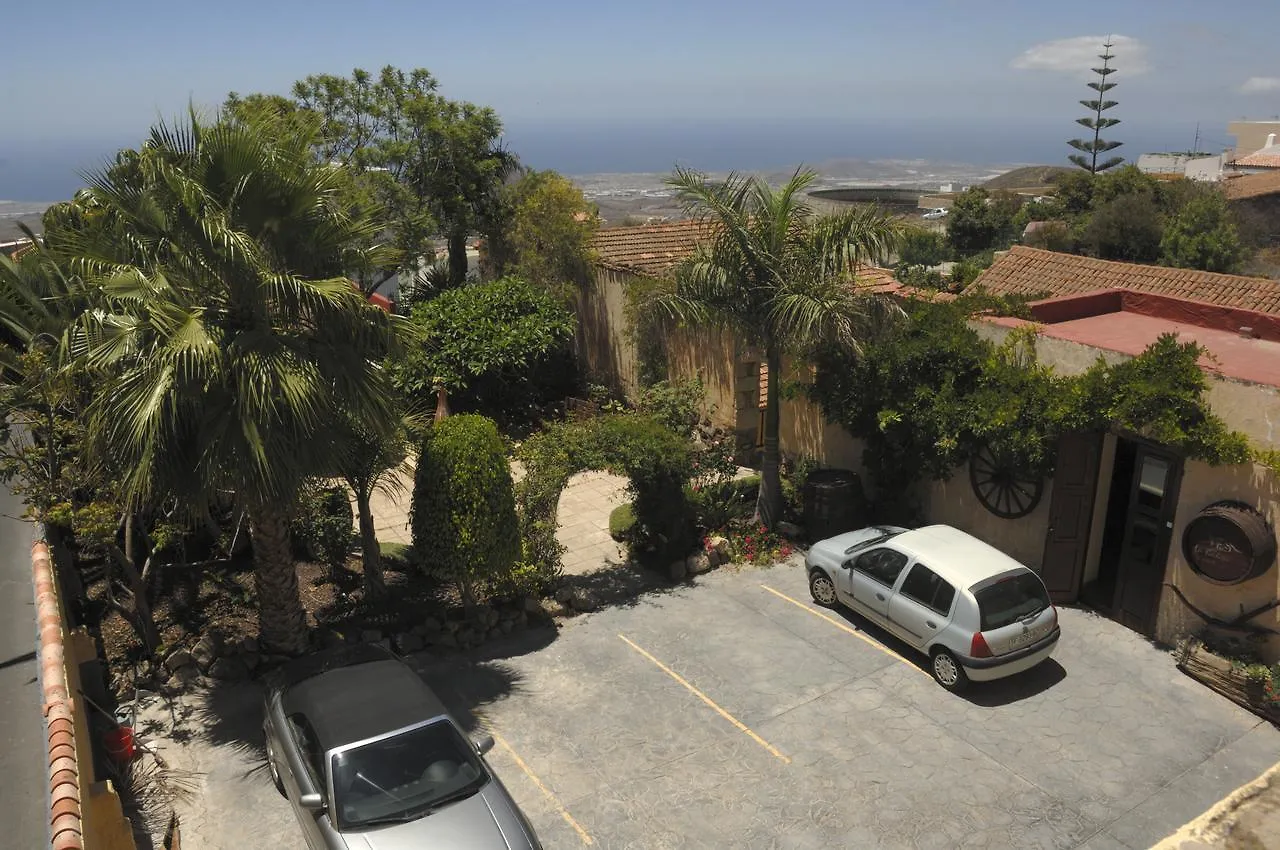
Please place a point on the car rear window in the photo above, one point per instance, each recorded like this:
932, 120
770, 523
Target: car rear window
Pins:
1011, 599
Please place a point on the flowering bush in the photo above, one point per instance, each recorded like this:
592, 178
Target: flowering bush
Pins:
754, 544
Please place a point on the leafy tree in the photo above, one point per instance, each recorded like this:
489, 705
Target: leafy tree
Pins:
463, 517
778, 277
1075, 192
543, 231
921, 247
490, 340
979, 221
229, 339
1090, 148
1128, 228
323, 523
372, 461
1203, 235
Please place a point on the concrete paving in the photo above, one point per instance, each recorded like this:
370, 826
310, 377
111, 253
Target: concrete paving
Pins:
24, 758
729, 713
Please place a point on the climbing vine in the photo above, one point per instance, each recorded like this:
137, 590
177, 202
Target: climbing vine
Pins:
656, 460
931, 391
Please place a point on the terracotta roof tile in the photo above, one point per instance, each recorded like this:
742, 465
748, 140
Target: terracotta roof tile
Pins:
1259, 159
1035, 272
1258, 185
651, 250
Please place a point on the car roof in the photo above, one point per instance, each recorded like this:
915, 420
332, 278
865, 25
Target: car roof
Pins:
362, 700
960, 558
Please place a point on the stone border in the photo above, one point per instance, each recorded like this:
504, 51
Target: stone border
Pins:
65, 815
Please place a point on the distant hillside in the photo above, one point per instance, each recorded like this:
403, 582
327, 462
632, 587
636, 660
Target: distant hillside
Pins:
1032, 175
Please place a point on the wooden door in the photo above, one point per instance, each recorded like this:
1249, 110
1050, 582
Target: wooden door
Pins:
1075, 483
1153, 498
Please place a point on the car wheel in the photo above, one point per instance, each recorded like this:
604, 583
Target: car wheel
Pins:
274, 771
822, 589
947, 671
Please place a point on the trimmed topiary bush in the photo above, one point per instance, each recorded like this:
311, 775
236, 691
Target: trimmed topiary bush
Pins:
463, 514
622, 521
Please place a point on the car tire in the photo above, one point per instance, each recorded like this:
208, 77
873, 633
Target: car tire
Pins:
947, 671
274, 771
822, 589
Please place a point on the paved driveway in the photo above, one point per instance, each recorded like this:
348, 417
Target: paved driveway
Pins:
734, 714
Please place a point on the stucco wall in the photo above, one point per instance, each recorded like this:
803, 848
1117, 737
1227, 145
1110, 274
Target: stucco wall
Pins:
954, 503
608, 354
1202, 485
1252, 409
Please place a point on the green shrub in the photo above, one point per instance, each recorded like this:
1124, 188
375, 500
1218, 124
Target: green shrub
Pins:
323, 525
676, 404
622, 521
717, 505
397, 556
463, 515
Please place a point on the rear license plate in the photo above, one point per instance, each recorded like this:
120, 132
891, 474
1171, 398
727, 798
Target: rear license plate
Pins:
1022, 639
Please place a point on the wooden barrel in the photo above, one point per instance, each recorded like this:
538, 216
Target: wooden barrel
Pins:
1228, 543
834, 502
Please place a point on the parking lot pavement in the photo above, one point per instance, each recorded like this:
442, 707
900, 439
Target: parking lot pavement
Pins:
735, 714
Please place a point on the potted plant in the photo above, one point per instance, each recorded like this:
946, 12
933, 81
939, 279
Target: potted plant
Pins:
1256, 679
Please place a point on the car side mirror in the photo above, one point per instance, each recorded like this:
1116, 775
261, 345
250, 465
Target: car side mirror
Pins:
312, 802
484, 744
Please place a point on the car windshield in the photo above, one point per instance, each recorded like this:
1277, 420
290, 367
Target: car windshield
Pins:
405, 776
1011, 599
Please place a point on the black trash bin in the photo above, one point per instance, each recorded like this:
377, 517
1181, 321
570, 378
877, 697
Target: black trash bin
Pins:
834, 502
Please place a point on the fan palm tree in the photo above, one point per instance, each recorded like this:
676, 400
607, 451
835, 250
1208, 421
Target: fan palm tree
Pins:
778, 277
229, 336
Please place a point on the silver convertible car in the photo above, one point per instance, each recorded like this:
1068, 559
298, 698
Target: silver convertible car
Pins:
370, 759
977, 613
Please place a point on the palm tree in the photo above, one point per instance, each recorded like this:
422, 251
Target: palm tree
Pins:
779, 278
230, 339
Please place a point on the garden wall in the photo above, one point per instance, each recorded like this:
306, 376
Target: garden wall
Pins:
608, 354
954, 503
1202, 485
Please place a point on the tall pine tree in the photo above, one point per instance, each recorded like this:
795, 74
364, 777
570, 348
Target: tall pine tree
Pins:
1089, 150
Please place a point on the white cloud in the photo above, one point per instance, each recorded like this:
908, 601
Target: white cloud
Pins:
1257, 85
1077, 55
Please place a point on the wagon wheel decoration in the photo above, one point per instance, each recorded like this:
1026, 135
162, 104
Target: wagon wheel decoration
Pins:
1004, 488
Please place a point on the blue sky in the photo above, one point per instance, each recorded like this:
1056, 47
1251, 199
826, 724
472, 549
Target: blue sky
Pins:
944, 79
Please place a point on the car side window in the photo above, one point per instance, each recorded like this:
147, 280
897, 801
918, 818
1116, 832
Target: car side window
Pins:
928, 588
881, 564
305, 739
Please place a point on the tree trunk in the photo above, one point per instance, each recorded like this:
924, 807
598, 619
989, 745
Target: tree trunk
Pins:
769, 502
442, 405
457, 258
375, 586
282, 624
141, 617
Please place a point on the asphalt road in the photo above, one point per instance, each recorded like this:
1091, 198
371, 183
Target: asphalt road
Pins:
23, 754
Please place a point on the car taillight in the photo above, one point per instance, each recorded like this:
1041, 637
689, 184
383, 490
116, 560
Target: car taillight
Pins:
978, 647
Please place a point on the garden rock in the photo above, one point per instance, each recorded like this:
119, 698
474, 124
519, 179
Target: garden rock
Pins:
581, 600
564, 594
251, 660
532, 605
506, 626
678, 570
184, 676
248, 643
229, 669
205, 652
790, 529
429, 626
409, 642
447, 639
178, 659
370, 636
698, 563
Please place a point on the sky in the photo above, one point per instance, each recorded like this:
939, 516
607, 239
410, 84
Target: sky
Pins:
607, 86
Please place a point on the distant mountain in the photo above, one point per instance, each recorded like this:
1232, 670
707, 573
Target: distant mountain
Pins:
1031, 175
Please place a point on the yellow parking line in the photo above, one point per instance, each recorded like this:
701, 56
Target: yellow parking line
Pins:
564, 813
742, 727
844, 627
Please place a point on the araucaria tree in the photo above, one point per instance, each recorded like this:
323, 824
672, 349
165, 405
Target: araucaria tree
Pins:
780, 278
1090, 148
229, 339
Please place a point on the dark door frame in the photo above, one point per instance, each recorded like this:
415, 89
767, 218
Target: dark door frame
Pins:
1165, 517
1065, 563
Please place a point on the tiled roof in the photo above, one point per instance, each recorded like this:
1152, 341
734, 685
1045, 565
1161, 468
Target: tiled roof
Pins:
650, 250
65, 814
1247, 186
1035, 272
1259, 159
655, 249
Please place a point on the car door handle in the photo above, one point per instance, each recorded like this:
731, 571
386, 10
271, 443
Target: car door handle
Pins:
931, 624
880, 596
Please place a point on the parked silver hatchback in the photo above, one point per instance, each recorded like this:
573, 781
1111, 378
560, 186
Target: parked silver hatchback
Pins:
977, 613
